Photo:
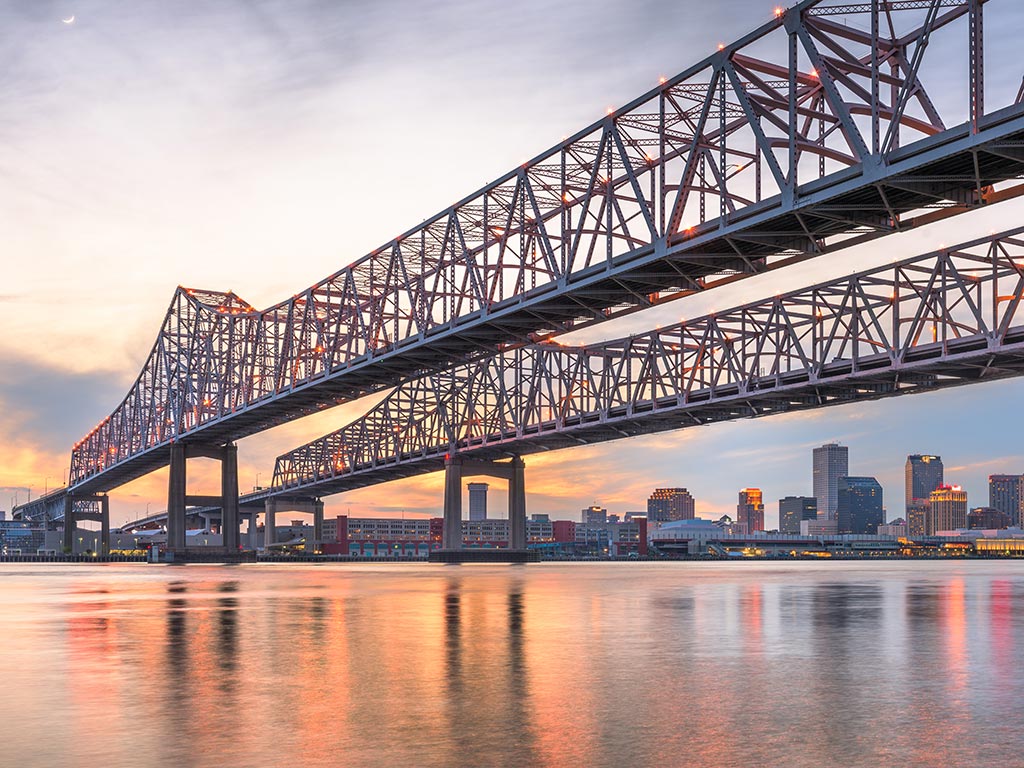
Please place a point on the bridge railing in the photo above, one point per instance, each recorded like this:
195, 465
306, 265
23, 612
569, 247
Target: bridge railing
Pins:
818, 90
952, 301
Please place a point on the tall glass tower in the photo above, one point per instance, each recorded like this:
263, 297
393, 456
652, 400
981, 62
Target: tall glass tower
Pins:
831, 461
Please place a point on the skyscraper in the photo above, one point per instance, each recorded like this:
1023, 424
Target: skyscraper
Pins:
1006, 493
831, 461
947, 509
923, 475
667, 504
793, 509
750, 510
478, 501
859, 505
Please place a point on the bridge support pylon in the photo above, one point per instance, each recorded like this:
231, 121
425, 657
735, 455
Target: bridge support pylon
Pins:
318, 524
72, 516
456, 468
178, 498
451, 534
269, 523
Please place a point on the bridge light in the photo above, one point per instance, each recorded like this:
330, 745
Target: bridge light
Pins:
778, 12
814, 73
611, 111
721, 46
662, 80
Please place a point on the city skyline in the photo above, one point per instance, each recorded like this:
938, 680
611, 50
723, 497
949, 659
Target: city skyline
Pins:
264, 217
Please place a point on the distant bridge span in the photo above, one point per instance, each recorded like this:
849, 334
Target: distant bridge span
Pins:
943, 319
804, 136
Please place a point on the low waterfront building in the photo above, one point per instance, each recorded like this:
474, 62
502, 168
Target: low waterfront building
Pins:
415, 537
22, 537
704, 537
819, 527
897, 527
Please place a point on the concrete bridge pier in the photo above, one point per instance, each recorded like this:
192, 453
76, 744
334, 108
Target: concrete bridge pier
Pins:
178, 498
451, 533
72, 516
307, 505
252, 540
318, 524
514, 471
269, 522
517, 504
229, 497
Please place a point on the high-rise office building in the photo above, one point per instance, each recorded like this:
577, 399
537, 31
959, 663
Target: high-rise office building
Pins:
478, 501
667, 504
750, 510
831, 461
595, 514
947, 509
859, 508
1006, 493
923, 474
793, 509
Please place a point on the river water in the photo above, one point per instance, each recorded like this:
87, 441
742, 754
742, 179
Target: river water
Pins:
575, 664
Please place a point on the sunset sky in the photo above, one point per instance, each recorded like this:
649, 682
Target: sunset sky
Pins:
260, 145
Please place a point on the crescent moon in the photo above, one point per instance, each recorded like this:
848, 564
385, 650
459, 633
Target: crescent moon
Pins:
70, 20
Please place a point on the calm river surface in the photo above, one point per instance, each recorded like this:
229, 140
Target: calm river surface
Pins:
577, 664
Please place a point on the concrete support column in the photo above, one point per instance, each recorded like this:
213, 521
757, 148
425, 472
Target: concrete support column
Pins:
270, 520
451, 537
229, 497
517, 505
253, 540
69, 524
104, 525
176, 499
318, 524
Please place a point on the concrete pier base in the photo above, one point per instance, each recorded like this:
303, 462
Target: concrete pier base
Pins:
459, 556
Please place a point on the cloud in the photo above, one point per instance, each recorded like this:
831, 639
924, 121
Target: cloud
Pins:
51, 406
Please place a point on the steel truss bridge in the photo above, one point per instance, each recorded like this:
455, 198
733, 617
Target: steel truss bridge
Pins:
812, 133
942, 319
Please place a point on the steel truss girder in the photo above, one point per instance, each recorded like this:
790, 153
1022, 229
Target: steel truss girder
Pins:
802, 137
941, 319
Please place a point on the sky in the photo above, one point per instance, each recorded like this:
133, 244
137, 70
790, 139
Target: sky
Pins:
260, 145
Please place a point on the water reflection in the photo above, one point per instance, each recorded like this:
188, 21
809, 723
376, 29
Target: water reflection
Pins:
602, 665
